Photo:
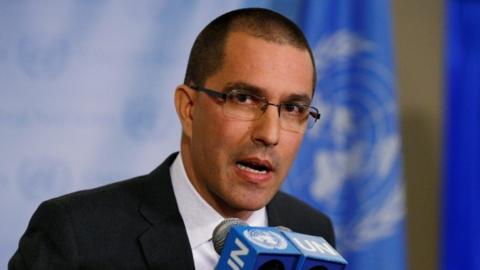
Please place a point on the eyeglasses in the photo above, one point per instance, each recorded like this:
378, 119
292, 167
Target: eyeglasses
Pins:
242, 105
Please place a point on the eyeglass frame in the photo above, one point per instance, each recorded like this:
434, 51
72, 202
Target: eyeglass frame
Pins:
315, 114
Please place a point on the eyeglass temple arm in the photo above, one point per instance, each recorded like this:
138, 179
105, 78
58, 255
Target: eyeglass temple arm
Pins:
210, 92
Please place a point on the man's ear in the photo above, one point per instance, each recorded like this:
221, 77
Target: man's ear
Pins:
184, 97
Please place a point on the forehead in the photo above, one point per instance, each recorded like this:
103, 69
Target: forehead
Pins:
278, 69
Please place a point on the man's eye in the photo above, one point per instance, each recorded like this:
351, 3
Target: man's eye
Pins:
242, 98
295, 108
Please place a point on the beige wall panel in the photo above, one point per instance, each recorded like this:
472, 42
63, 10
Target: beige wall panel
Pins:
419, 30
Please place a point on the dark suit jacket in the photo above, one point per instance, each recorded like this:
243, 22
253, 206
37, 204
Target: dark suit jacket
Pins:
134, 224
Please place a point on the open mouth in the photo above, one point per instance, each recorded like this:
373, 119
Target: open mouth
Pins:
255, 167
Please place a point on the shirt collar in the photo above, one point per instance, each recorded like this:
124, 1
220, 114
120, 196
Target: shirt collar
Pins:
199, 217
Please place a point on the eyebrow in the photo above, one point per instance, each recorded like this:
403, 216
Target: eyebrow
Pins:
302, 98
258, 91
251, 89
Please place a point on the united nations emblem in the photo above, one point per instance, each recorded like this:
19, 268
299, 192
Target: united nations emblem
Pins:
353, 169
266, 239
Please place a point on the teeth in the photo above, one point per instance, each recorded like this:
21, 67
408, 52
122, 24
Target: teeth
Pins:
248, 169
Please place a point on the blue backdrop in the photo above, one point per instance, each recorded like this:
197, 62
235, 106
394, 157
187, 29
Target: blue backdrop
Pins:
461, 186
86, 98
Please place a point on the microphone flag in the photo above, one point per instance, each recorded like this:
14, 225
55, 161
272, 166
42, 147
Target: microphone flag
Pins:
316, 252
263, 248
254, 247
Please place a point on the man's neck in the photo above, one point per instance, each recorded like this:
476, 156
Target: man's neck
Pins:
230, 212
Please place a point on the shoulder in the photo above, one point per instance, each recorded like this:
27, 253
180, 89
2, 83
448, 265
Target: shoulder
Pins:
68, 227
95, 208
112, 203
122, 191
300, 217
86, 225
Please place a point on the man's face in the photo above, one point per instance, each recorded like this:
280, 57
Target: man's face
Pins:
224, 154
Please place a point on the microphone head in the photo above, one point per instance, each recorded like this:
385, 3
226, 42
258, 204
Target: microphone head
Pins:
221, 231
283, 228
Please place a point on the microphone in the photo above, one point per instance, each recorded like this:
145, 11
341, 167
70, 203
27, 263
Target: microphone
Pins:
242, 247
221, 231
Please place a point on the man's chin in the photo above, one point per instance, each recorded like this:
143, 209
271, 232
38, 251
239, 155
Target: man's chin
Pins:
244, 203
249, 204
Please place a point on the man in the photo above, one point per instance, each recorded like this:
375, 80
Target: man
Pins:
244, 107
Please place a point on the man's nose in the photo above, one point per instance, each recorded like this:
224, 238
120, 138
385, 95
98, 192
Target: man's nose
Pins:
266, 129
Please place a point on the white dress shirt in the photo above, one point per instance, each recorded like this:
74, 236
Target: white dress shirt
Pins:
200, 218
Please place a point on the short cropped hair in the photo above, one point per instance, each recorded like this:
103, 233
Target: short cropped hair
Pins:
208, 51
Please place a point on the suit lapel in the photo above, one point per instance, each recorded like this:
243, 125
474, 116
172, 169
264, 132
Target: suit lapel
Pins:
166, 247
274, 213
165, 244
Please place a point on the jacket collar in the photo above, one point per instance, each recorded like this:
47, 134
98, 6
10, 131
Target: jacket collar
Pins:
165, 244
274, 212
